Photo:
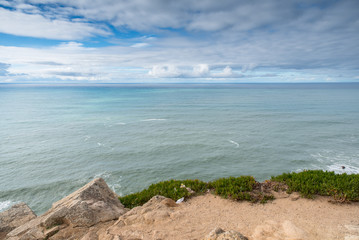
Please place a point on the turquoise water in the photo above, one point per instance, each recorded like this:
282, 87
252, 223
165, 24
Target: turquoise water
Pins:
55, 139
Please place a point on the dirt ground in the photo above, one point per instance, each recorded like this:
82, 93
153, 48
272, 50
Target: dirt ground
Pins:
287, 217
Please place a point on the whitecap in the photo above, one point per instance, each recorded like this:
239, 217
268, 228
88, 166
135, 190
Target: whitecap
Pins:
338, 162
115, 187
4, 205
153, 119
343, 168
235, 143
105, 175
120, 123
100, 144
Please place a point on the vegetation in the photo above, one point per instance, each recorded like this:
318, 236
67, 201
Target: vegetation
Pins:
234, 188
342, 187
171, 189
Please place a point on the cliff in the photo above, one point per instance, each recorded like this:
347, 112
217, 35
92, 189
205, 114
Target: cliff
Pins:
94, 212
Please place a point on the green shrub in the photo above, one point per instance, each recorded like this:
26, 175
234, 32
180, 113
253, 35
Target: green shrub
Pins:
234, 188
170, 189
342, 187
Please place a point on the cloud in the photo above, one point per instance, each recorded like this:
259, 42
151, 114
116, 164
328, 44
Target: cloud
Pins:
35, 25
140, 45
164, 71
49, 63
3, 69
201, 70
198, 71
227, 72
224, 40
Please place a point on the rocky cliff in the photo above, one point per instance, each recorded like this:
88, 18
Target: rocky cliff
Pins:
91, 213
95, 213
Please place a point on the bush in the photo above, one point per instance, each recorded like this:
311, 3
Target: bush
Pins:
234, 188
342, 187
170, 189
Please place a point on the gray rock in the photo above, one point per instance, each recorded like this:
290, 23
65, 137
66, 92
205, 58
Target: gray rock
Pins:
220, 234
16, 216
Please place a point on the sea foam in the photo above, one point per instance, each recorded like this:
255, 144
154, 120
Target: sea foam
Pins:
153, 119
235, 143
4, 205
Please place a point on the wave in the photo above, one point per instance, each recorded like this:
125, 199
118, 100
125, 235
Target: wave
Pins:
5, 205
338, 168
153, 119
339, 162
87, 138
235, 143
120, 123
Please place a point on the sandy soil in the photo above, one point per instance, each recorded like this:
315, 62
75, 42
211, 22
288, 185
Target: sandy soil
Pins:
288, 217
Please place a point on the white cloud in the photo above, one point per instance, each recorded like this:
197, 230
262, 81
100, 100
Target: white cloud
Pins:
227, 72
184, 39
140, 45
33, 25
201, 70
164, 71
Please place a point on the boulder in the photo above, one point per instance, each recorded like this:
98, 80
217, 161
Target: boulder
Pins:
92, 204
16, 216
220, 234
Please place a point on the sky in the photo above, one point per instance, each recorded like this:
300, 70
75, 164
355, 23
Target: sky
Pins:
178, 41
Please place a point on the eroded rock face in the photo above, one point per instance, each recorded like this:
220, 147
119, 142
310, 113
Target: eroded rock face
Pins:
16, 216
92, 204
220, 234
157, 210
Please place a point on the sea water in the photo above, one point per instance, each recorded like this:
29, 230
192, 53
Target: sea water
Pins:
55, 139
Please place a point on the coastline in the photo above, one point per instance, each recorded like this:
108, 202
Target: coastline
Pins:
288, 217
95, 212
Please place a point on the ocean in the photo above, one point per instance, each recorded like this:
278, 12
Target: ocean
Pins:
55, 139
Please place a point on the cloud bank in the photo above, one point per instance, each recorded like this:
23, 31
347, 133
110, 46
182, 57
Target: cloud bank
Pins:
138, 41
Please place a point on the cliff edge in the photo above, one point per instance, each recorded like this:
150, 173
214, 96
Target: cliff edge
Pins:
94, 212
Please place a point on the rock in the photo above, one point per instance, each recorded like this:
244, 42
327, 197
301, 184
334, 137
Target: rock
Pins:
215, 232
279, 231
352, 232
32, 234
294, 196
92, 204
220, 234
16, 216
351, 237
157, 209
292, 231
